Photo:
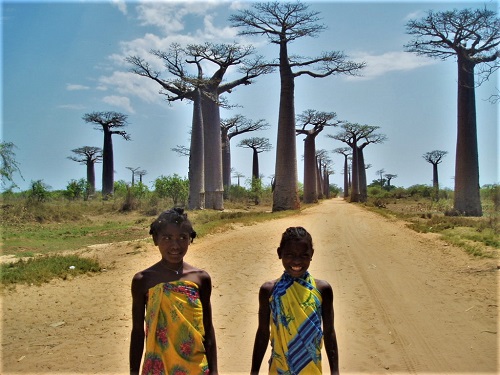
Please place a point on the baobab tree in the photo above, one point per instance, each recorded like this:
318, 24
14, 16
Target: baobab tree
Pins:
283, 23
380, 173
133, 170
472, 37
435, 157
346, 152
325, 169
258, 145
205, 92
320, 156
237, 175
88, 156
230, 128
110, 123
310, 123
357, 137
389, 177
141, 174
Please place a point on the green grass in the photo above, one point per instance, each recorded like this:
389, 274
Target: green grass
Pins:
25, 239
43, 269
478, 236
38, 232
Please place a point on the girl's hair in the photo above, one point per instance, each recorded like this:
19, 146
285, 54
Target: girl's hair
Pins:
296, 234
173, 216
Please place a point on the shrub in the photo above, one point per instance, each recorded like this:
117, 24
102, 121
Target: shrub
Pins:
77, 189
173, 187
39, 191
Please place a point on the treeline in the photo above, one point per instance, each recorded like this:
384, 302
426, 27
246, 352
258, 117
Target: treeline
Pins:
174, 189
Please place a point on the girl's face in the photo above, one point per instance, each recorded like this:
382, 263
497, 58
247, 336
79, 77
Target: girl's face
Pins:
173, 242
296, 257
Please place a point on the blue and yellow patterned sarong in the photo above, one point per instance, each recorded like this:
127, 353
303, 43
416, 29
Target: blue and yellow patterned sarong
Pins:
296, 334
174, 330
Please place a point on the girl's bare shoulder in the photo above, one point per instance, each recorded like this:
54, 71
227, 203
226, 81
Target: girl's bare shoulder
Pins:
323, 286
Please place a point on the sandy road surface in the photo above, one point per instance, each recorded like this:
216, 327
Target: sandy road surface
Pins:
405, 303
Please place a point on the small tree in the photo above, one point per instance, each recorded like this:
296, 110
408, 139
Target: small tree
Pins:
77, 189
9, 164
39, 191
173, 187
435, 157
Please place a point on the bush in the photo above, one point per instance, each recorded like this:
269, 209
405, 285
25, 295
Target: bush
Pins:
423, 191
173, 187
77, 189
39, 191
237, 193
120, 189
334, 190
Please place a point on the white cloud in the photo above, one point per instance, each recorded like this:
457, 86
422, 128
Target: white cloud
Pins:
129, 84
171, 17
121, 5
215, 33
378, 65
119, 101
73, 87
414, 15
71, 106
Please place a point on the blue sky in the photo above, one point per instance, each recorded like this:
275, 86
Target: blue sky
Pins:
64, 59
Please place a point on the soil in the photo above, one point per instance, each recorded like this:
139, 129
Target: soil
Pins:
405, 303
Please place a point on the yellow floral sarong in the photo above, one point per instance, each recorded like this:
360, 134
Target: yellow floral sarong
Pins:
296, 334
174, 330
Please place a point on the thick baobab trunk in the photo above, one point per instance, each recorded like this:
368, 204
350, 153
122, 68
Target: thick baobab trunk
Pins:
467, 199
285, 195
214, 189
196, 173
226, 160
435, 178
363, 189
91, 177
435, 181
255, 164
310, 170
107, 165
321, 181
355, 173
346, 177
326, 184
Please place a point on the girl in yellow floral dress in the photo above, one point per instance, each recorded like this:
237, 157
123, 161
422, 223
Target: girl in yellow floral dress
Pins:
172, 330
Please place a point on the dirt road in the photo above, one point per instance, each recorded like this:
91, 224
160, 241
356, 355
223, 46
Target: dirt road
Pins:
405, 303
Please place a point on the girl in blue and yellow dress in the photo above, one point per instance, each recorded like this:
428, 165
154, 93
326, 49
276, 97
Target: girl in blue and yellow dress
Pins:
296, 314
